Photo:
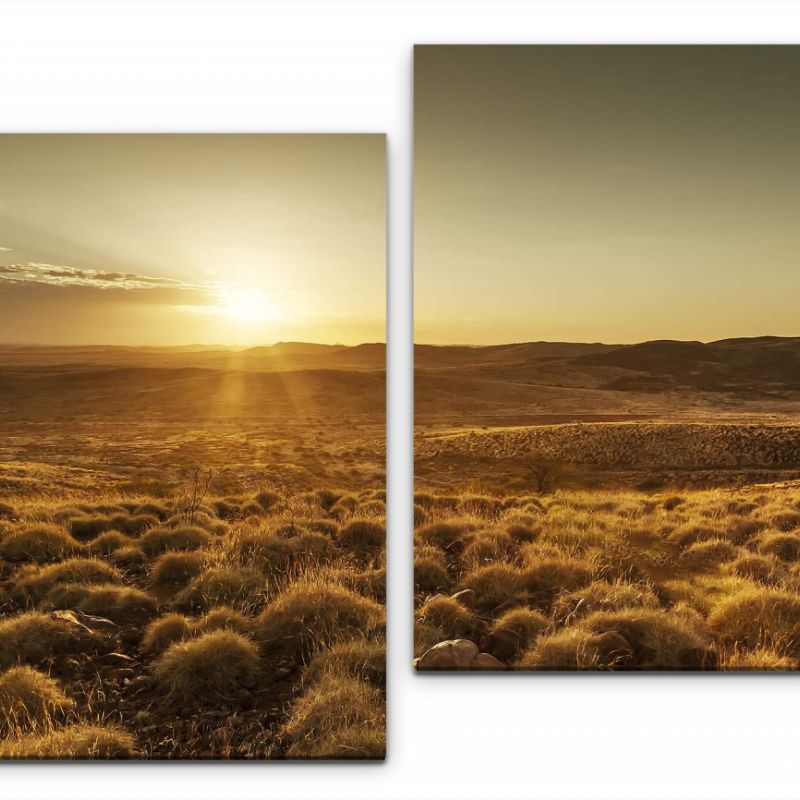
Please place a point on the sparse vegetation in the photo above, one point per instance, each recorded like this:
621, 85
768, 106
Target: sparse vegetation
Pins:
135, 626
615, 579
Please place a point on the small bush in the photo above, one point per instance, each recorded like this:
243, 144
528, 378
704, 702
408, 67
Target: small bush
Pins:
120, 604
134, 525
130, 557
448, 536
760, 660
34, 638
176, 569
337, 718
514, 632
163, 632
39, 544
151, 510
447, 615
488, 546
362, 537
29, 700
708, 555
759, 617
359, 659
430, 574
74, 742
87, 527
762, 569
687, 534
544, 578
264, 550
494, 585
221, 586
785, 546
308, 616
158, 540
602, 596
567, 650
225, 618
109, 542
658, 640
211, 669
34, 584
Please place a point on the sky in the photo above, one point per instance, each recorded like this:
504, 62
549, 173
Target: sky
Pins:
187, 239
606, 193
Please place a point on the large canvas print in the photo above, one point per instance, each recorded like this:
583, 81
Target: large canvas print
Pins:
192, 504
607, 358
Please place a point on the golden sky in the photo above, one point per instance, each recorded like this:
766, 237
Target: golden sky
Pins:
179, 239
606, 193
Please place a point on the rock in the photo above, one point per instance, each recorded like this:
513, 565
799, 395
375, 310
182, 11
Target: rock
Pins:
486, 661
466, 597
245, 700
450, 655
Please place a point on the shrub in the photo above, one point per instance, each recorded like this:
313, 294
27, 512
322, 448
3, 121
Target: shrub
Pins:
567, 650
362, 537
74, 742
88, 527
129, 557
267, 500
186, 537
211, 669
134, 525
221, 586
33, 638
514, 632
225, 618
337, 718
708, 555
448, 615
29, 699
488, 546
33, 584
120, 604
176, 569
448, 536
494, 585
689, 533
430, 574
603, 596
545, 578
40, 544
151, 510
759, 617
163, 632
760, 660
658, 640
109, 542
308, 616
763, 569
359, 659
264, 550
785, 546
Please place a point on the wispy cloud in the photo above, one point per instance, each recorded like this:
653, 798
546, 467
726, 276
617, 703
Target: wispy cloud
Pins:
5, 249
60, 275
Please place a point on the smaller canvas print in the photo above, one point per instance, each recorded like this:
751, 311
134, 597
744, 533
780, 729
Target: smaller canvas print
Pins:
607, 353
192, 501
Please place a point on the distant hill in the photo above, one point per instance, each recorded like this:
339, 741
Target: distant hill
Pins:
760, 374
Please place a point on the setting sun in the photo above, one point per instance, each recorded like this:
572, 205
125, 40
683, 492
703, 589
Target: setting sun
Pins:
246, 306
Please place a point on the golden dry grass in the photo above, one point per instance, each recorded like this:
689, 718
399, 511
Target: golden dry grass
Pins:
614, 579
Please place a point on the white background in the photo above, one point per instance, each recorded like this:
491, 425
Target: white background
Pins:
339, 66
